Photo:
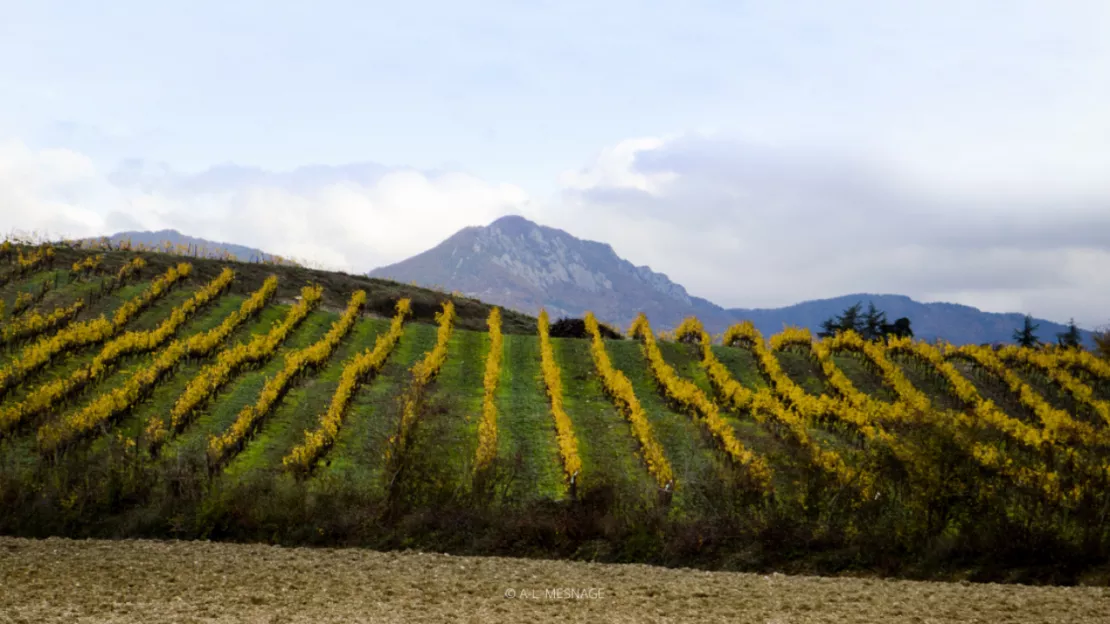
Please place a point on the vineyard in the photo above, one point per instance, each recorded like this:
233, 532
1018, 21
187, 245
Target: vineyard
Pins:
150, 394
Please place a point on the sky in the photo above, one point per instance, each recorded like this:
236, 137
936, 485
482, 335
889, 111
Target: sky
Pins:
758, 153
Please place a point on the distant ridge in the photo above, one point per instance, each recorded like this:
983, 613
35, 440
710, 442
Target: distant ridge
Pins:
522, 265
154, 238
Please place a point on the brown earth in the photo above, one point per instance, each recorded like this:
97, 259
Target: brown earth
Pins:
60, 580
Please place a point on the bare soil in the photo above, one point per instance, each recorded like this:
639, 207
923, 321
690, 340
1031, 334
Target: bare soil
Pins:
61, 580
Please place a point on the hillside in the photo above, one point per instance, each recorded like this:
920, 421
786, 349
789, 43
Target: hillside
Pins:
520, 265
955, 323
524, 266
173, 237
208, 408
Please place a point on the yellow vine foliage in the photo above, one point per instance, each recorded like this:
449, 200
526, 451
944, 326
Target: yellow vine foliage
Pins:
1085, 360
764, 404
316, 442
107, 406
50, 394
36, 355
620, 390
33, 324
984, 410
229, 361
687, 394
222, 446
1058, 424
422, 373
1050, 364
88, 265
201, 345
864, 416
487, 426
890, 373
553, 382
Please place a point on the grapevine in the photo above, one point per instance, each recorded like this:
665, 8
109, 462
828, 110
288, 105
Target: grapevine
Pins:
564, 429
231, 360
54, 436
620, 390
304, 456
487, 426
37, 355
50, 394
221, 447
693, 399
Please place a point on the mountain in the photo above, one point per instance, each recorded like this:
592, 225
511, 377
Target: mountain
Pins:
956, 323
521, 265
207, 247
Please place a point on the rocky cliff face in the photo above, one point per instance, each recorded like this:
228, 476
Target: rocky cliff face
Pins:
518, 264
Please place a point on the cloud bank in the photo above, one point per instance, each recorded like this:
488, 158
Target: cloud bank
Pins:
741, 224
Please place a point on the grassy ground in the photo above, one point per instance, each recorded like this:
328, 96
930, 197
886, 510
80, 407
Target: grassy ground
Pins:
610, 453
357, 460
863, 376
58, 580
526, 440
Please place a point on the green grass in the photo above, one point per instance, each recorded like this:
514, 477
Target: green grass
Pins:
301, 408
445, 438
804, 370
609, 451
525, 428
243, 390
1055, 395
357, 459
924, 377
863, 376
741, 363
687, 446
994, 389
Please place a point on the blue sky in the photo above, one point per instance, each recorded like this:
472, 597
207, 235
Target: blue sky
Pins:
696, 137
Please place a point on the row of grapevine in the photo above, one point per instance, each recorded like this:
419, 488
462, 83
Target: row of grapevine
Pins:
985, 411
1057, 423
863, 419
230, 361
688, 395
302, 458
1085, 361
1051, 366
37, 355
55, 436
892, 376
764, 404
51, 393
34, 323
88, 266
620, 390
423, 372
24, 264
904, 411
487, 425
222, 447
564, 429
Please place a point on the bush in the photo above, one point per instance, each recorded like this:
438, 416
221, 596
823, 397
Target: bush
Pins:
576, 328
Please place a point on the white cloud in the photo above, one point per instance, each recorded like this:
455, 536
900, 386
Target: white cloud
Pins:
741, 225
349, 225
749, 226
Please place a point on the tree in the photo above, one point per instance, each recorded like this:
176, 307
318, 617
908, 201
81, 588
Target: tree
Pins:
872, 323
1025, 336
848, 320
1102, 342
1070, 339
900, 328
